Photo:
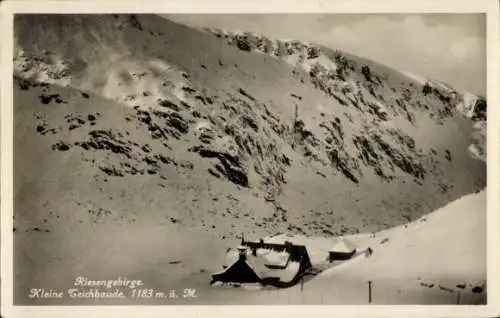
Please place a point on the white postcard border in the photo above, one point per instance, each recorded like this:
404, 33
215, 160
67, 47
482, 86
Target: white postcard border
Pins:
247, 6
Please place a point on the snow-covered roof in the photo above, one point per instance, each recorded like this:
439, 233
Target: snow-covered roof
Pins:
286, 274
274, 258
343, 246
270, 257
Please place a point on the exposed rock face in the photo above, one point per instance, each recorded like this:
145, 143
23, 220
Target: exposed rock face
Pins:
228, 165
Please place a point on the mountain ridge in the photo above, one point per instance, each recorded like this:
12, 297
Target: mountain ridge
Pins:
345, 91
245, 40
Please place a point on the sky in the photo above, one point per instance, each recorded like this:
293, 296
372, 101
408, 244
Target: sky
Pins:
447, 47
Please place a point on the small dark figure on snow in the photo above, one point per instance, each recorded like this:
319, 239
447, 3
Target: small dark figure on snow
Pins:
368, 252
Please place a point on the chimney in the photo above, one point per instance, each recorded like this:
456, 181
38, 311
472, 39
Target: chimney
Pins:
242, 253
288, 246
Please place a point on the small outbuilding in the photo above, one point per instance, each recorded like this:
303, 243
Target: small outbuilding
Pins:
342, 250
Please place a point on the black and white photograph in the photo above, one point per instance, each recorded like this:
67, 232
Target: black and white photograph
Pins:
184, 159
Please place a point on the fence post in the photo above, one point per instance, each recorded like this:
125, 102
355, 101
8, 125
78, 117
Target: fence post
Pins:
295, 118
458, 297
369, 291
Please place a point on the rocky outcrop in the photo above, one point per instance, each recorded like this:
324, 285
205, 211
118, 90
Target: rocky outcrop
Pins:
343, 163
401, 159
228, 165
